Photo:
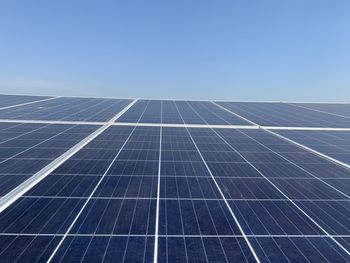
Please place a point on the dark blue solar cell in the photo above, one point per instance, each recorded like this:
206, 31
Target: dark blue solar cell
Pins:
42, 153
282, 170
117, 216
173, 249
188, 187
134, 168
94, 154
23, 166
40, 215
128, 187
214, 244
221, 169
248, 188
197, 217
106, 249
298, 249
138, 154
333, 216
65, 186
203, 249
307, 189
9, 152
272, 218
184, 169
27, 248
97, 167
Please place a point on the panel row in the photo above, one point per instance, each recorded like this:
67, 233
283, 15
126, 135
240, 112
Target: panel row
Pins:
289, 115
171, 249
180, 112
177, 112
67, 109
220, 191
12, 100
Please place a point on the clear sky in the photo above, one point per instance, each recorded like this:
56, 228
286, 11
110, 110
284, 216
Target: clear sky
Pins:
205, 49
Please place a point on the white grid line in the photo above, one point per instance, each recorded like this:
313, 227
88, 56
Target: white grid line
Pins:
155, 254
177, 125
173, 236
187, 198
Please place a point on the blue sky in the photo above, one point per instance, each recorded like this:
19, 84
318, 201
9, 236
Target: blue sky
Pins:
235, 49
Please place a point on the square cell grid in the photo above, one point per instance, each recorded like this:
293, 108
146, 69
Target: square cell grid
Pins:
175, 194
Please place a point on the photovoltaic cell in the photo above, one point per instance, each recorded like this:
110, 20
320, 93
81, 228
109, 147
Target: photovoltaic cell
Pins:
298, 249
27, 248
106, 249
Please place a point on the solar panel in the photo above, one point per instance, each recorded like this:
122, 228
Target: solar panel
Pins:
335, 144
26, 148
341, 109
283, 114
67, 109
7, 101
102, 180
180, 112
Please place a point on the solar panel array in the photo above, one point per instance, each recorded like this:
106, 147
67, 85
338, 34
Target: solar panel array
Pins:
124, 180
